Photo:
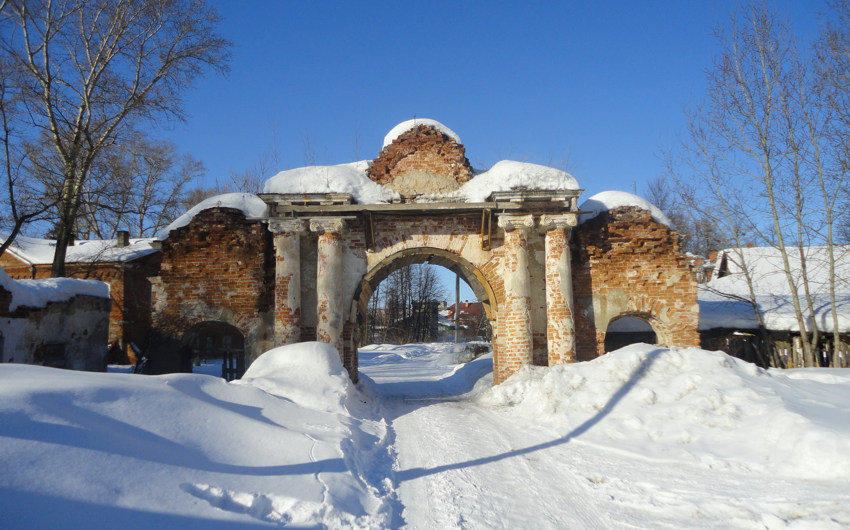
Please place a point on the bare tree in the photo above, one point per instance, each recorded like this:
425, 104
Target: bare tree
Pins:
251, 180
764, 153
22, 205
404, 305
831, 148
137, 185
699, 234
89, 71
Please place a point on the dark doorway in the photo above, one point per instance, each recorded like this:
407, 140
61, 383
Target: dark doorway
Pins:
216, 340
628, 330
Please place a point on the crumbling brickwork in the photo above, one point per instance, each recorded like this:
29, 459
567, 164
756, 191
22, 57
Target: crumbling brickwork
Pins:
219, 267
422, 160
627, 264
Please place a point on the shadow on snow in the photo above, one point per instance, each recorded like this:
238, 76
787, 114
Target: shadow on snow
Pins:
410, 474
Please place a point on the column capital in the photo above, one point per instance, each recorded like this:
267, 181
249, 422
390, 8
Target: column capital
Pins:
511, 222
324, 225
281, 226
558, 221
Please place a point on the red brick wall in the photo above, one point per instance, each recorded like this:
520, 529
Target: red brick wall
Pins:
423, 148
218, 268
627, 264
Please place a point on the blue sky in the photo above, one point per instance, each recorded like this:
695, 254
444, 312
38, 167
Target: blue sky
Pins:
596, 88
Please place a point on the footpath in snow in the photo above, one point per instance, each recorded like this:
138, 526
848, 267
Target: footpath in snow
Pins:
645, 437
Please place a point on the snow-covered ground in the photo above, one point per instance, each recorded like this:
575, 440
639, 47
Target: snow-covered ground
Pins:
644, 437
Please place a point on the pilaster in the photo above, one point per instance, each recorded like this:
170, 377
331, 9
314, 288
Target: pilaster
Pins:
329, 327
515, 320
560, 327
287, 291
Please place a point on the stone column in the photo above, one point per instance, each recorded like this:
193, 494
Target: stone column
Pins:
287, 288
560, 328
515, 319
329, 280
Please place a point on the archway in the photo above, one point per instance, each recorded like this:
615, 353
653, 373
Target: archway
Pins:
215, 340
421, 255
435, 256
629, 329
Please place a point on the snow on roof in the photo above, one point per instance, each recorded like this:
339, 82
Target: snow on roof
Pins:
344, 178
405, 126
35, 251
249, 204
723, 300
510, 174
609, 200
37, 293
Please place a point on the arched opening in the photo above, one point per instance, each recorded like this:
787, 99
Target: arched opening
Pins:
214, 341
467, 271
629, 329
428, 315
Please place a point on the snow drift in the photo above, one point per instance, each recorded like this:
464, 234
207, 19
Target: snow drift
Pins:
184, 450
693, 404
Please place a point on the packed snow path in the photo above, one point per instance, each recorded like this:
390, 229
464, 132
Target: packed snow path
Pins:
462, 462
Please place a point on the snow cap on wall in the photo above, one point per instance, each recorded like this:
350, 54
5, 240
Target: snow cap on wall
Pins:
38, 293
609, 200
247, 203
344, 178
510, 174
405, 126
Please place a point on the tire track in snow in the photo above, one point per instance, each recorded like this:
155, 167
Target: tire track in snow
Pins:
460, 465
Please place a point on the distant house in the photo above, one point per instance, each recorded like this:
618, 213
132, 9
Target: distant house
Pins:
472, 318
727, 317
123, 263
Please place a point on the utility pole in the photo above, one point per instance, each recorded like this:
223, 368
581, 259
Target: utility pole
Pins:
457, 308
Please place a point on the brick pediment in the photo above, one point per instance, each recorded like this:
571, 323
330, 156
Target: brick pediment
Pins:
422, 160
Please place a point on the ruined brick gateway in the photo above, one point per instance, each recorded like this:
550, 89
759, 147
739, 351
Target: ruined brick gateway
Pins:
305, 269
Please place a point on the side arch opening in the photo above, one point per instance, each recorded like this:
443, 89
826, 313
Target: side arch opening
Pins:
629, 329
214, 340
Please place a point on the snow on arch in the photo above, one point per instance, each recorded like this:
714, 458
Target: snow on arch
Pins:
608, 200
405, 126
343, 178
248, 203
510, 174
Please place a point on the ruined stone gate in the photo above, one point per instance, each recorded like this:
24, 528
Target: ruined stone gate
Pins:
301, 261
